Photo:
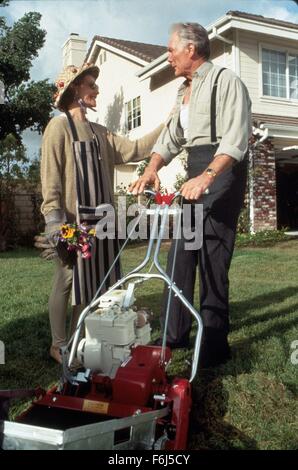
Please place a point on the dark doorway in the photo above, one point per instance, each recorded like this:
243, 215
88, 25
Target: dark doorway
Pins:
287, 195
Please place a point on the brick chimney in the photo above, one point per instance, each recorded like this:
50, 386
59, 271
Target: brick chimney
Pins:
74, 50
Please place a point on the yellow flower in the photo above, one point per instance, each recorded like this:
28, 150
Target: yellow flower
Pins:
69, 233
92, 232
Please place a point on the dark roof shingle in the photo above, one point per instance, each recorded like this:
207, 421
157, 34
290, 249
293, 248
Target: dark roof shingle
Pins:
147, 52
262, 19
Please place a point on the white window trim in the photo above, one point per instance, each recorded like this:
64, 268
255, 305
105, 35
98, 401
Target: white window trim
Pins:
274, 99
277, 99
126, 114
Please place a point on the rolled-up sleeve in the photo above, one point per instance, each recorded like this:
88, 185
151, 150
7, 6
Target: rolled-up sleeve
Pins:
167, 145
234, 119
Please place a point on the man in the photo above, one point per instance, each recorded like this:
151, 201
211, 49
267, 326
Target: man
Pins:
212, 121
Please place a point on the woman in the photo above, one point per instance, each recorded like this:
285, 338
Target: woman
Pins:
78, 159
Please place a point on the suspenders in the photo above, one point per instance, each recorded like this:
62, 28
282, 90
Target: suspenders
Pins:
213, 109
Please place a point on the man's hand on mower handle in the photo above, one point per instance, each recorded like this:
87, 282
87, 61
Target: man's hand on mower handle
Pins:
194, 188
149, 178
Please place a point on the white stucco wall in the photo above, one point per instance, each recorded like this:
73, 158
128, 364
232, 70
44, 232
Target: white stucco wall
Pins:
116, 81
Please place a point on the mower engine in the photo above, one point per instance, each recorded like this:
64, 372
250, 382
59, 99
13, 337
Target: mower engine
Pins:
111, 331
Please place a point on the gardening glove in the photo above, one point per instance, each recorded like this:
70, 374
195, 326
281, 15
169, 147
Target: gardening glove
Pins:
50, 245
52, 232
47, 251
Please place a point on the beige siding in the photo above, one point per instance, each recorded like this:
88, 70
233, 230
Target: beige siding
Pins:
250, 72
221, 53
217, 53
228, 57
229, 60
280, 143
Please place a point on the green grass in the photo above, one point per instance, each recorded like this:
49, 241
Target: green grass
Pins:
250, 403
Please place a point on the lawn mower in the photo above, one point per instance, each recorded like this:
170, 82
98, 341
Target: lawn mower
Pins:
120, 397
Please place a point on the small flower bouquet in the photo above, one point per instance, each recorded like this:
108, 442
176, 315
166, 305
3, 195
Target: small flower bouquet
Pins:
78, 238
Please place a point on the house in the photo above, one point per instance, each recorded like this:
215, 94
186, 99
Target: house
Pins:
264, 53
138, 89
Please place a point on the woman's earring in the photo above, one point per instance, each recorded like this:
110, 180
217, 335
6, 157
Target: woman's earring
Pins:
82, 105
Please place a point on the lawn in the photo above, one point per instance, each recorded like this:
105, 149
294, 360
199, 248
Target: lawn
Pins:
250, 403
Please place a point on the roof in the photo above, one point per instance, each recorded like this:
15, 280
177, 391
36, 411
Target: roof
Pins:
147, 52
262, 19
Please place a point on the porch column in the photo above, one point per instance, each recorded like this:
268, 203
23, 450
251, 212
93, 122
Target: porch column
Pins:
262, 181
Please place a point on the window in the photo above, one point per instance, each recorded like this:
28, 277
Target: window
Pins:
133, 113
102, 57
280, 74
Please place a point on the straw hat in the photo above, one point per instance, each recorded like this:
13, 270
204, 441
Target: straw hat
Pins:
68, 75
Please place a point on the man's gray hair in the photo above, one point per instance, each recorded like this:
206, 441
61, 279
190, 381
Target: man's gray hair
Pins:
193, 33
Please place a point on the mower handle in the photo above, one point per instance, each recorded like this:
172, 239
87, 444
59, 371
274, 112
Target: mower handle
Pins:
150, 192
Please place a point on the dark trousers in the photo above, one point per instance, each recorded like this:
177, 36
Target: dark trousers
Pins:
221, 211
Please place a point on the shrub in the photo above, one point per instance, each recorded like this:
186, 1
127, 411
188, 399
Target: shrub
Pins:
263, 238
243, 225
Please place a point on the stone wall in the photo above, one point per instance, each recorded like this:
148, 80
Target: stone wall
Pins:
27, 206
20, 217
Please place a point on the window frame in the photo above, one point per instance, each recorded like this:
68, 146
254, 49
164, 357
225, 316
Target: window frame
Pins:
136, 118
287, 51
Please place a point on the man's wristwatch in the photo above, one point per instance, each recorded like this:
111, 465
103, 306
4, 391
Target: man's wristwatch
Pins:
210, 172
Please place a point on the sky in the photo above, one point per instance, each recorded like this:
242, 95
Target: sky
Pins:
146, 21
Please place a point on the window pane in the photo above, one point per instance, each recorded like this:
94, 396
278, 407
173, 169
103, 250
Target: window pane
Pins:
133, 113
274, 73
266, 77
265, 55
293, 76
